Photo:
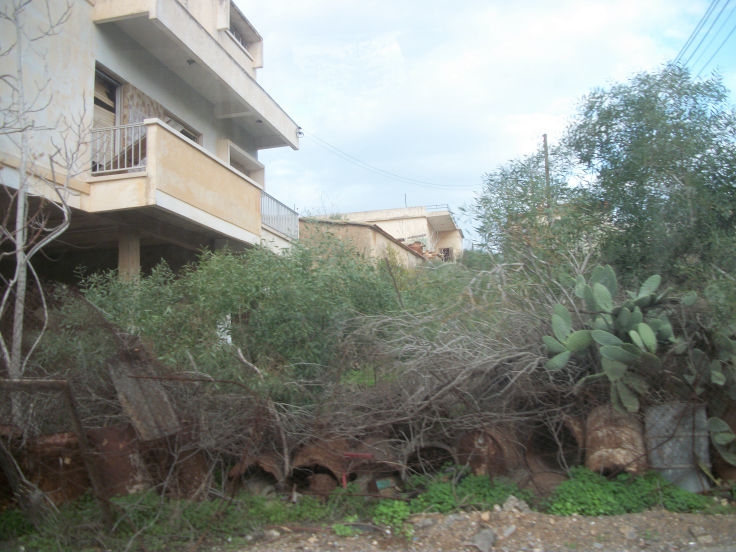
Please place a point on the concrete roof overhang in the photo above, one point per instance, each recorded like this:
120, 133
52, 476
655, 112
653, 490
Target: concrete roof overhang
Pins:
442, 221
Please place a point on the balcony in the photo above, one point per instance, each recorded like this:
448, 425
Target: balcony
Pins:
150, 165
196, 46
118, 149
277, 216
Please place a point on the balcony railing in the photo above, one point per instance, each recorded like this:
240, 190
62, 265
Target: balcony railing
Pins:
278, 216
122, 149
118, 149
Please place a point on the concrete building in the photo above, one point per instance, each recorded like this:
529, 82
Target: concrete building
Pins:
174, 119
369, 240
431, 230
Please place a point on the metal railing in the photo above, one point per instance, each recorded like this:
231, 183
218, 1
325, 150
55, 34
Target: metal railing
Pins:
278, 216
118, 149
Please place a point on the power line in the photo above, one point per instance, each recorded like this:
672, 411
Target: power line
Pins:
687, 61
696, 30
728, 36
387, 174
712, 38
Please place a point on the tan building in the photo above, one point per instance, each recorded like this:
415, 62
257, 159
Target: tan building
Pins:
368, 239
430, 230
174, 119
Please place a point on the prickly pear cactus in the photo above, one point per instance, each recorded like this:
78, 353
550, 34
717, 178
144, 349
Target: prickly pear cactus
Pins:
626, 341
626, 336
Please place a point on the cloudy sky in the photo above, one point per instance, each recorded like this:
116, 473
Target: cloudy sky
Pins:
409, 102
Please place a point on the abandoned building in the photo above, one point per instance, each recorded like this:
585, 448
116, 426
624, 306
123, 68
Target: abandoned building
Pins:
173, 120
370, 240
429, 230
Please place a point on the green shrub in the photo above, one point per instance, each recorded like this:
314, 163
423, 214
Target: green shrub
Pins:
439, 496
348, 503
278, 309
591, 494
13, 524
342, 530
479, 492
586, 493
446, 493
393, 514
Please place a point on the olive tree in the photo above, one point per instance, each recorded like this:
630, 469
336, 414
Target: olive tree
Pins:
660, 152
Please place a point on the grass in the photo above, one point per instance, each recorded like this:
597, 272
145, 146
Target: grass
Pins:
149, 522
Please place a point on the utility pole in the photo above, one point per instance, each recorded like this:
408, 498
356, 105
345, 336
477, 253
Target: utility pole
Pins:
546, 170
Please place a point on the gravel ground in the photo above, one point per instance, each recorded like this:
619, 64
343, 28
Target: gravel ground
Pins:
512, 530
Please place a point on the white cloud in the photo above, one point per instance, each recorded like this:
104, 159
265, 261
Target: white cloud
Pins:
442, 91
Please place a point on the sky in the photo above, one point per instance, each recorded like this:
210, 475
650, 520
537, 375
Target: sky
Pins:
406, 103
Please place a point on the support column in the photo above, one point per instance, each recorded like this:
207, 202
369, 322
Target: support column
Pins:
129, 254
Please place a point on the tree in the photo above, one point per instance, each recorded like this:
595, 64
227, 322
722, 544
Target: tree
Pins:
39, 162
660, 152
519, 211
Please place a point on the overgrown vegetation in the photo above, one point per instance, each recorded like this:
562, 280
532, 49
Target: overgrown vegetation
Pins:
591, 494
456, 489
150, 522
264, 354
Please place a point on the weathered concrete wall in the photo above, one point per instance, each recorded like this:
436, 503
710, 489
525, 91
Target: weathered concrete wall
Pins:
365, 238
56, 74
180, 170
126, 59
452, 239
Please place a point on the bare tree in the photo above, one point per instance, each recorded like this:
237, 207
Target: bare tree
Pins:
39, 162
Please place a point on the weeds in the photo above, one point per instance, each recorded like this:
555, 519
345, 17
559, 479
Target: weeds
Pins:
151, 522
394, 515
459, 491
591, 494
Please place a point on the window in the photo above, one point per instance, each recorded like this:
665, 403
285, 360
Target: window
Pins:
105, 101
182, 128
242, 31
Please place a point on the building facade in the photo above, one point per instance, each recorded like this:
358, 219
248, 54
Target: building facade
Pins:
430, 230
369, 240
173, 119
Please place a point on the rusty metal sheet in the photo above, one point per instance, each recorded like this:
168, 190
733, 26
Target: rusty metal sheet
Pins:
144, 400
321, 484
54, 464
182, 468
269, 463
119, 461
328, 453
489, 451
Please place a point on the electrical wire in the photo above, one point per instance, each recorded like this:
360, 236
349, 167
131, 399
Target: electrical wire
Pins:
387, 174
710, 29
695, 32
712, 38
721, 45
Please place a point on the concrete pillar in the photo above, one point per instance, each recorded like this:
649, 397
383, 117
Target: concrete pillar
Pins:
129, 254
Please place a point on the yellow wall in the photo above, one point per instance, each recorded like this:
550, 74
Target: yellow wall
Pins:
185, 172
364, 238
452, 239
109, 10
122, 192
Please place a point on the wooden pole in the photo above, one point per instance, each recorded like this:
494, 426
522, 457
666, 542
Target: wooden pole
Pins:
546, 171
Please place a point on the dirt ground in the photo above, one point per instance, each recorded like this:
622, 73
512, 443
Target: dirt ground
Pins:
514, 530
